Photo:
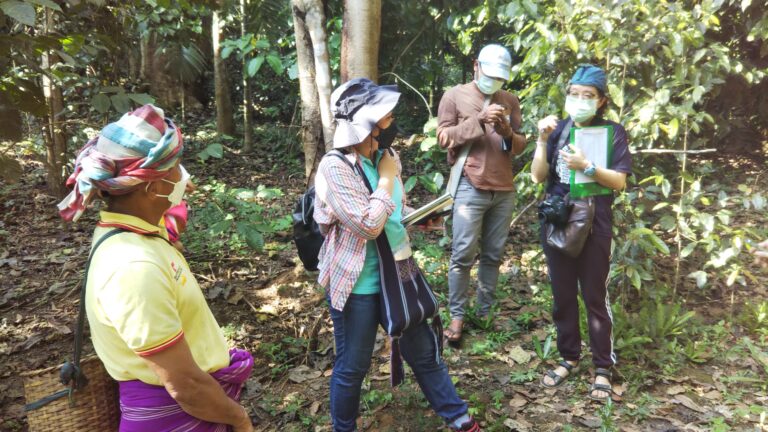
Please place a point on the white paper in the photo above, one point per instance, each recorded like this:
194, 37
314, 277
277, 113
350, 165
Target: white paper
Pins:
593, 142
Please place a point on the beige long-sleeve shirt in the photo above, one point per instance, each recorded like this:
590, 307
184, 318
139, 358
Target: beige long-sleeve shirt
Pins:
488, 166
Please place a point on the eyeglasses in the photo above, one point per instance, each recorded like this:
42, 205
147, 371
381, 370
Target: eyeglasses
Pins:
583, 96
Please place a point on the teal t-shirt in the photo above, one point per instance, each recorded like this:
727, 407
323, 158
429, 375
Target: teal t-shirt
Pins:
369, 281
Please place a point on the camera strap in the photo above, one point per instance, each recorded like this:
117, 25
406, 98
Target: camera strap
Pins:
458, 166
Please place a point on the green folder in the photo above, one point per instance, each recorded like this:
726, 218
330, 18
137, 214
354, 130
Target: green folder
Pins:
581, 185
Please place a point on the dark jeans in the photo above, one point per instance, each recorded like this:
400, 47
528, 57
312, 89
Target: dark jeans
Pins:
355, 332
590, 272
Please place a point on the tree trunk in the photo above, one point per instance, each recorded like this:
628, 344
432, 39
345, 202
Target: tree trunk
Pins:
147, 50
247, 133
224, 111
134, 62
316, 25
55, 140
360, 39
311, 125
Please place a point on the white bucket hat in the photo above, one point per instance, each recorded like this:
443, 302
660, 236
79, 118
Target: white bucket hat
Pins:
495, 61
357, 105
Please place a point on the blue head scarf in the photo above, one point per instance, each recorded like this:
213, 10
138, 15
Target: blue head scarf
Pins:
590, 75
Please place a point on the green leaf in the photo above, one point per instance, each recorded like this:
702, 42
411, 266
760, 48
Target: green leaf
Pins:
688, 249
293, 71
430, 127
121, 102
698, 92
262, 44
254, 65
674, 126
276, 64
428, 143
659, 244
617, 95
438, 179
101, 103
20, 11
253, 237
700, 276
215, 150
429, 183
666, 187
410, 183
46, 3
531, 8
141, 98
68, 59
226, 51
573, 44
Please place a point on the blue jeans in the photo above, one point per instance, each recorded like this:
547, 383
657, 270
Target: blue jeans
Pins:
355, 332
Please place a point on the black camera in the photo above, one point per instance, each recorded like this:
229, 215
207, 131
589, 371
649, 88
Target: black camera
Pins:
555, 210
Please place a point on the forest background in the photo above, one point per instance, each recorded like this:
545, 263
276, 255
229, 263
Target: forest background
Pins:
248, 82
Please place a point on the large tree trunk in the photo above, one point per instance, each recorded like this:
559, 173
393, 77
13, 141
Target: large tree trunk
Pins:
55, 140
247, 133
224, 117
360, 39
311, 126
314, 82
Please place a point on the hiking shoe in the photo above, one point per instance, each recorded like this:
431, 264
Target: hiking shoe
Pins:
470, 426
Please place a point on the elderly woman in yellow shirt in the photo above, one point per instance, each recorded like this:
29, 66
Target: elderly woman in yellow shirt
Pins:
150, 324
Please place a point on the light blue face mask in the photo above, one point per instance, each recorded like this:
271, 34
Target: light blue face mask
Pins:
487, 85
580, 110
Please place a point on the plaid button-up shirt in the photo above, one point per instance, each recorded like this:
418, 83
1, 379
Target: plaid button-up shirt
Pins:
349, 215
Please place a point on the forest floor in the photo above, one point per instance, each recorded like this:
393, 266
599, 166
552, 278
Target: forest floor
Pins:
269, 305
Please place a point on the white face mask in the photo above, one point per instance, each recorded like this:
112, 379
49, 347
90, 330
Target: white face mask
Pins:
487, 85
178, 188
580, 110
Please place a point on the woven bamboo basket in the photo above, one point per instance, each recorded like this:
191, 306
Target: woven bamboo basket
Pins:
96, 407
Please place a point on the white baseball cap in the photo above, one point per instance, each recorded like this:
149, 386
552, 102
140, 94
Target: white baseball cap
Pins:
495, 61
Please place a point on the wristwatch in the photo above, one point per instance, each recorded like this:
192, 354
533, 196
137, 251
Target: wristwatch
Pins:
590, 170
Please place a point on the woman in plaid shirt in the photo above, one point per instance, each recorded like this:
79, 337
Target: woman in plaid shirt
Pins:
351, 218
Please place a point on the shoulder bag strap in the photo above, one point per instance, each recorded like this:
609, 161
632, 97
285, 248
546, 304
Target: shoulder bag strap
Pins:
81, 314
343, 157
70, 374
461, 159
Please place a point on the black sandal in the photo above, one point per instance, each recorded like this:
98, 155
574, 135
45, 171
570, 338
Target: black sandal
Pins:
608, 388
558, 379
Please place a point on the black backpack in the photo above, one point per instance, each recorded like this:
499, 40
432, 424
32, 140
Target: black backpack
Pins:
306, 233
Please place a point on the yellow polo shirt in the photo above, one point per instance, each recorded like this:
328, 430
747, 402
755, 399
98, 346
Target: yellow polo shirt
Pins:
142, 298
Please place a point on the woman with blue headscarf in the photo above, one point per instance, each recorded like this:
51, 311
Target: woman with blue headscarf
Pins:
554, 161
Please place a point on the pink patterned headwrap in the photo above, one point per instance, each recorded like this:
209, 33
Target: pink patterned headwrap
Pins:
142, 146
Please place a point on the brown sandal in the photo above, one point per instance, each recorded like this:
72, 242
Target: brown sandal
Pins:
451, 334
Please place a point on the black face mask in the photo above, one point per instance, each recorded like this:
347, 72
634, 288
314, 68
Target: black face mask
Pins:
387, 136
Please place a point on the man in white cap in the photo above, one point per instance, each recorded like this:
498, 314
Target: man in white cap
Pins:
478, 124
